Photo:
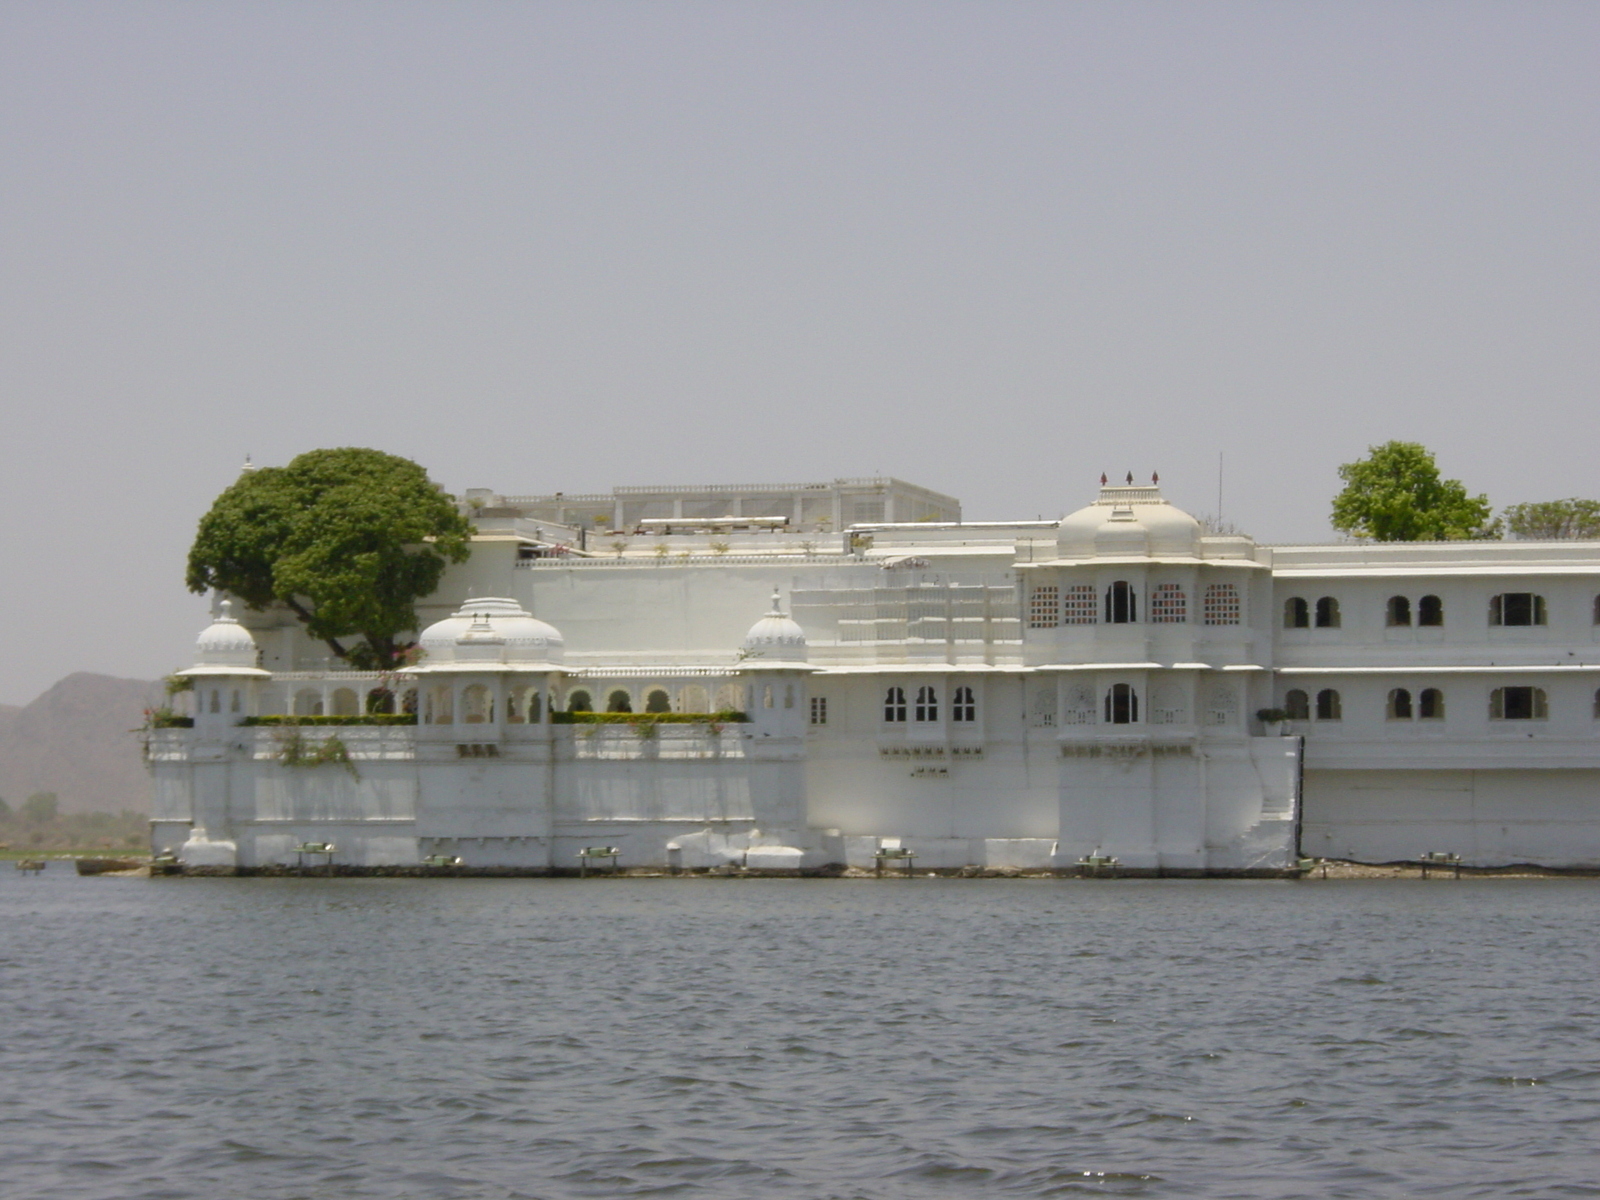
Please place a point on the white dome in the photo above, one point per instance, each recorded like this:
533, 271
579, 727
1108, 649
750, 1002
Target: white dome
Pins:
491, 629
776, 637
1129, 522
225, 642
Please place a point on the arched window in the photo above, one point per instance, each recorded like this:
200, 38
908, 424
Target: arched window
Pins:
1399, 705
766, 696
513, 709
1168, 605
1430, 611
1430, 705
1297, 705
408, 701
477, 706
964, 707
344, 702
1516, 608
1399, 611
1044, 607
1327, 613
729, 698
658, 702
1296, 613
1120, 605
927, 704
694, 699
380, 700
894, 705
1122, 705
579, 701
1079, 608
233, 704
532, 709
619, 701
216, 700
1221, 604
1518, 704
788, 695
308, 703
1328, 706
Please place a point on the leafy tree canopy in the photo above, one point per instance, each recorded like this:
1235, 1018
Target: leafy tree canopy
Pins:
347, 539
1395, 495
1549, 519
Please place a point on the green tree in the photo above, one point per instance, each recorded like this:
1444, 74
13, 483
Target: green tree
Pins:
40, 807
1395, 495
348, 540
1550, 519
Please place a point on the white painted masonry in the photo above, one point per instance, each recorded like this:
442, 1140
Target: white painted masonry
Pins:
1005, 696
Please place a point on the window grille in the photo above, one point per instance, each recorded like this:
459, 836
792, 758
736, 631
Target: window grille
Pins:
1044, 608
1168, 605
819, 710
927, 704
1221, 604
1079, 608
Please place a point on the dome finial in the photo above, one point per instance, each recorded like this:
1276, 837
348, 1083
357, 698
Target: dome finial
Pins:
1130, 478
1155, 477
248, 466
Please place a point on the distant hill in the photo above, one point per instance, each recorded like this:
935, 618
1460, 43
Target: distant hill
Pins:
75, 740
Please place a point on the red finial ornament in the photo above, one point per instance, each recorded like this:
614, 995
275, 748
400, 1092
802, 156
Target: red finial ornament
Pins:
1155, 477
1130, 478
1103, 479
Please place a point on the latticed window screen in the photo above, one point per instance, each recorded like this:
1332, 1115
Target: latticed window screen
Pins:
819, 710
1168, 605
1222, 604
964, 707
1080, 607
1044, 608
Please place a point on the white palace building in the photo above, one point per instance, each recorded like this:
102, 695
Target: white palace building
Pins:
819, 674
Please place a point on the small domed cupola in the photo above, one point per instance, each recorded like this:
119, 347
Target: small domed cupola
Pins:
225, 642
491, 629
776, 637
1129, 521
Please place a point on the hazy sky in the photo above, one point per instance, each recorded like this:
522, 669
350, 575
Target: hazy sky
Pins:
995, 248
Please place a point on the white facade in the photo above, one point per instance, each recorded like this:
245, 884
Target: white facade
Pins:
1006, 696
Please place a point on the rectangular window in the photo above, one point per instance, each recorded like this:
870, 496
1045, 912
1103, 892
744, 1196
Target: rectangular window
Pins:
1516, 608
1044, 608
1518, 704
1080, 607
819, 710
1168, 605
1221, 604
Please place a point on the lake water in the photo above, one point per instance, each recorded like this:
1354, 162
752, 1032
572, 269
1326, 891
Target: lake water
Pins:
276, 1038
